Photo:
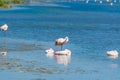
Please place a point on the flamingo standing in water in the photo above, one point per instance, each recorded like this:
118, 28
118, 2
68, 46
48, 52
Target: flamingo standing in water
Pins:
4, 28
61, 41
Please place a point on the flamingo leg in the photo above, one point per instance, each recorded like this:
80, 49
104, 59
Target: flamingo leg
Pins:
61, 47
4, 40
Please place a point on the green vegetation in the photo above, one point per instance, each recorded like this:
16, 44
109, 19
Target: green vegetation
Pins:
17, 1
7, 3
3, 4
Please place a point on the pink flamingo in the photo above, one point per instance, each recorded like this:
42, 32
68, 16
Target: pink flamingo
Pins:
61, 41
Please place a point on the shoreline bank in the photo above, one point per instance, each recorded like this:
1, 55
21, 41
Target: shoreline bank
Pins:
8, 3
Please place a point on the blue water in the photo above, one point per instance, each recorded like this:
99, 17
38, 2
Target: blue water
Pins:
92, 29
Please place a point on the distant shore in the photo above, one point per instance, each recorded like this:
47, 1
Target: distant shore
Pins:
9, 3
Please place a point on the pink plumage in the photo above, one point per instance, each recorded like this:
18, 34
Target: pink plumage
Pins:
61, 41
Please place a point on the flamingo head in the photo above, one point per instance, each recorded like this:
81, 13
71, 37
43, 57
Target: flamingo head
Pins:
67, 39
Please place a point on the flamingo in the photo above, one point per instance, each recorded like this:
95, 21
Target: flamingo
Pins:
4, 53
61, 41
4, 27
49, 52
112, 53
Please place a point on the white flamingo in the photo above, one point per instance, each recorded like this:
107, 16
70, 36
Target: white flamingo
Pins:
4, 53
112, 53
61, 41
64, 52
4, 27
49, 52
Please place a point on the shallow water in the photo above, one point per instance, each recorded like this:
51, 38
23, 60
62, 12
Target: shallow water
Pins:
32, 29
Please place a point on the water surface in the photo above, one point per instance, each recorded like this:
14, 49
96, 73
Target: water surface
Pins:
92, 29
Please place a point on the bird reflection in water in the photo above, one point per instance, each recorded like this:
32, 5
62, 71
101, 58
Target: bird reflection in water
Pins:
60, 59
63, 59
